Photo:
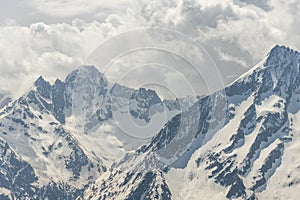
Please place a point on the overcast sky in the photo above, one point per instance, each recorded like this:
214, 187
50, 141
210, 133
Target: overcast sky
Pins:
52, 38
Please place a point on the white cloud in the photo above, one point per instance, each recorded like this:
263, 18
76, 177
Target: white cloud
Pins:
229, 58
236, 34
48, 50
62, 8
242, 30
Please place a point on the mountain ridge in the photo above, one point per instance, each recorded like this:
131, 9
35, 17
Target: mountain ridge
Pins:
242, 163
55, 127
232, 142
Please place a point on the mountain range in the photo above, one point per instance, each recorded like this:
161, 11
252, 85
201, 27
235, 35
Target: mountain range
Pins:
86, 138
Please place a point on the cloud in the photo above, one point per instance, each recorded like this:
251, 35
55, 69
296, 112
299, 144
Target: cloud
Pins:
231, 31
49, 50
236, 34
229, 58
62, 8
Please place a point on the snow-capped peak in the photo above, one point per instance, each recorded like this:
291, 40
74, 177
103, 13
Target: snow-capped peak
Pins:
281, 54
241, 159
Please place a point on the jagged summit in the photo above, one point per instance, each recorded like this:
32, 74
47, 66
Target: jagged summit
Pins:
279, 50
84, 70
40, 82
43, 87
279, 67
280, 54
91, 70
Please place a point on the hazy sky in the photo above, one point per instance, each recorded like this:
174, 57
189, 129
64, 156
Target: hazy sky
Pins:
52, 38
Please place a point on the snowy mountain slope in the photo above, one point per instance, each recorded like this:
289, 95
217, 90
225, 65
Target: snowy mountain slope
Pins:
19, 181
171, 147
111, 116
134, 177
17, 177
78, 138
245, 153
249, 149
29, 128
70, 133
4, 100
264, 130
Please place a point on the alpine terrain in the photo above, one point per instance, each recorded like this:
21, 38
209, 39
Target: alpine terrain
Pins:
86, 138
